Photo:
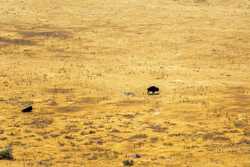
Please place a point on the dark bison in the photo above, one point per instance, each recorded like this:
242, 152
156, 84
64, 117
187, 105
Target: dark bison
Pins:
153, 90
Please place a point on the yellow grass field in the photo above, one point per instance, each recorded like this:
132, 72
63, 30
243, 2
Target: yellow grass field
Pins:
85, 66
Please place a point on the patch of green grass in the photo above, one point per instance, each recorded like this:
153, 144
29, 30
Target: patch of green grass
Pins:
6, 153
128, 163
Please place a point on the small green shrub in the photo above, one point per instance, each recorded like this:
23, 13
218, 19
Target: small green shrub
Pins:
128, 163
6, 153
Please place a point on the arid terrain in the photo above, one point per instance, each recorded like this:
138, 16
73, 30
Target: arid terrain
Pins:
85, 65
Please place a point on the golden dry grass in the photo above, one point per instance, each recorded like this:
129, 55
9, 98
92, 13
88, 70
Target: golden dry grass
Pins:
75, 61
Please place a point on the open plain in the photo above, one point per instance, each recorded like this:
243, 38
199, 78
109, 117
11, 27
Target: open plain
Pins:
85, 66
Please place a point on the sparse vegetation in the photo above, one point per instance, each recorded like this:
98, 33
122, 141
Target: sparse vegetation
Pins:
84, 66
6, 153
128, 163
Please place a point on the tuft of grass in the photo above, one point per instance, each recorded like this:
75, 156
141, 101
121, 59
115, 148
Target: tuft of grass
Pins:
128, 163
6, 153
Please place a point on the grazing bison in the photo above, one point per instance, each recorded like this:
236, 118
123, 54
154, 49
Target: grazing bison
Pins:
153, 90
27, 108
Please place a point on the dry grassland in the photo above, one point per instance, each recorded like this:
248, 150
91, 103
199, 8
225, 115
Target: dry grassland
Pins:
77, 61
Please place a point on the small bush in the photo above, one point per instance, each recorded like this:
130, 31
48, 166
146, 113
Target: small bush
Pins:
6, 153
128, 163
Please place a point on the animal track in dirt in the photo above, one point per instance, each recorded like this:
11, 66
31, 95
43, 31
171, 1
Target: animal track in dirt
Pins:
128, 103
215, 136
59, 90
158, 128
138, 137
46, 34
15, 41
92, 100
69, 108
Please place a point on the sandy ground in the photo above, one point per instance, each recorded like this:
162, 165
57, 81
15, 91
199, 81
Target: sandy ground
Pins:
77, 61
